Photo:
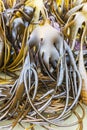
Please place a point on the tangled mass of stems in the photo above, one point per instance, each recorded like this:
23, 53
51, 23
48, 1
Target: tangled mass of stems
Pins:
43, 61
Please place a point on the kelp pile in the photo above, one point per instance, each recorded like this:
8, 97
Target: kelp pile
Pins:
43, 61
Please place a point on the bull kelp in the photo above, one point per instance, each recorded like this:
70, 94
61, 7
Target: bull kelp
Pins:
43, 54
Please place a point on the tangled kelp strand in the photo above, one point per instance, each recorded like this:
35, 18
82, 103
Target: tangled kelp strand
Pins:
49, 82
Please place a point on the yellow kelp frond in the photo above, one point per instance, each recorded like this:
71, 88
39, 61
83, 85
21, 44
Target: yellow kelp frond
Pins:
9, 3
78, 2
74, 25
4, 49
39, 8
2, 7
65, 4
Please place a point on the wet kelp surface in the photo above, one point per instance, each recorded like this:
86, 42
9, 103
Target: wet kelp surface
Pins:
43, 61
